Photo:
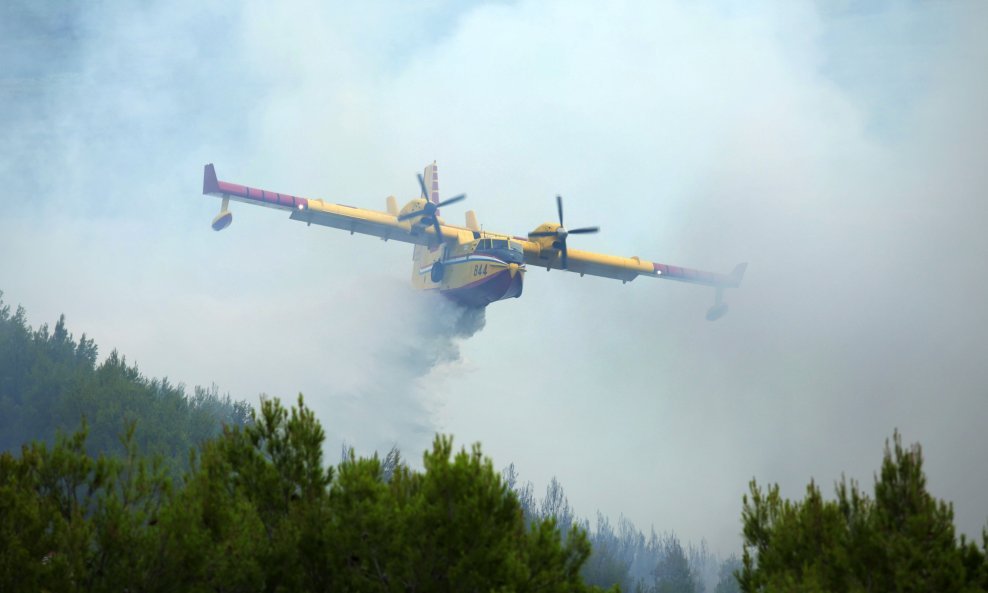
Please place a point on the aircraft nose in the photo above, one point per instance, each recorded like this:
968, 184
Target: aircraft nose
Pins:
513, 269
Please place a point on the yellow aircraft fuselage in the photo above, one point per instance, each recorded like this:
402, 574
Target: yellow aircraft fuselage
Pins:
474, 273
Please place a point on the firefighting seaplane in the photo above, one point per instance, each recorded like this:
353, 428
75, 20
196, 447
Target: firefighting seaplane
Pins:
472, 266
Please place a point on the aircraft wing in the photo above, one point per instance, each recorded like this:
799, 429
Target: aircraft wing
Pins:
315, 211
626, 268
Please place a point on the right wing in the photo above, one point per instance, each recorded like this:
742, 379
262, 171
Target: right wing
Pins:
313, 211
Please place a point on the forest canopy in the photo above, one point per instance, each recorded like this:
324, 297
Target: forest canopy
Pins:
900, 538
51, 385
258, 511
113, 481
51, 382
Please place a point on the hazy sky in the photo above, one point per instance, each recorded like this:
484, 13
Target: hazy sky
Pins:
839, 148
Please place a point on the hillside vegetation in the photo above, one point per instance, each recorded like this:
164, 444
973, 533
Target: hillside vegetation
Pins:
51, 382
110, 481
259, 511
899, 539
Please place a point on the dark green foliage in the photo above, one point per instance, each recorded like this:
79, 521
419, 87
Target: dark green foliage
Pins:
455, 527
71, 522
50, 382
257, 511
901, 540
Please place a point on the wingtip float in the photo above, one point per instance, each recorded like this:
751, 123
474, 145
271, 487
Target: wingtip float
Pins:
469, 265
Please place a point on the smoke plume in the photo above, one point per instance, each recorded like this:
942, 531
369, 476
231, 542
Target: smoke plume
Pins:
383, 389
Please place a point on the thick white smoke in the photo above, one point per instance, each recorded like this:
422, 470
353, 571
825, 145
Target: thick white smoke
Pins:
380, 389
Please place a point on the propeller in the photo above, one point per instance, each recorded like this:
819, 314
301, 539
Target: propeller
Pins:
431, 208
562, 232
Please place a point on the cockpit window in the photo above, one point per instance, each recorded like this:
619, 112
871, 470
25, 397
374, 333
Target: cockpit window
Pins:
485, 244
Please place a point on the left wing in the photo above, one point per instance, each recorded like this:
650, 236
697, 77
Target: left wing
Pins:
625, 268
629, 268
312, 211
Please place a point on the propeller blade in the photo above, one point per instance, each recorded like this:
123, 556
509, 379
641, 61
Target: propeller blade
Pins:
439, 230
452, 200
425, 192
430, 208
585, 230
561, 233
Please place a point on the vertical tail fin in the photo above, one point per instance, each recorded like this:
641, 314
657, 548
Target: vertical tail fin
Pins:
472, 221
432, 182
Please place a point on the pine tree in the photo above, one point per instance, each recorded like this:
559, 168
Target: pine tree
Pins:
901, 540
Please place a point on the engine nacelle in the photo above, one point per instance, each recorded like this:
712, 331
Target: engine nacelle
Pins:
416, 205
548, 243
